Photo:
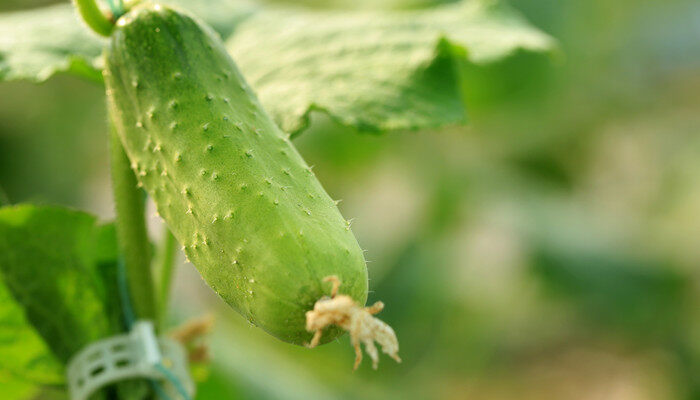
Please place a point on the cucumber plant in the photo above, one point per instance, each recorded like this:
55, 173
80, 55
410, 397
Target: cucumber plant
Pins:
247, 210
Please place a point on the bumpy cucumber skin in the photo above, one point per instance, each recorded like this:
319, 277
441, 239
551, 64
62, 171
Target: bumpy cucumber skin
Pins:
249, 212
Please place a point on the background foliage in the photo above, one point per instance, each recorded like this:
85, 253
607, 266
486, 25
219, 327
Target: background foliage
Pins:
547, 250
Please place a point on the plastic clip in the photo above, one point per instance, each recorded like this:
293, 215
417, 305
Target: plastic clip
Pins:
137, 354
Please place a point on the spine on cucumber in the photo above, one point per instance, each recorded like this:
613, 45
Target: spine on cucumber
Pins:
249, 212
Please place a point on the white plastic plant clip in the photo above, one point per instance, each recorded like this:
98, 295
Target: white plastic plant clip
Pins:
138, 354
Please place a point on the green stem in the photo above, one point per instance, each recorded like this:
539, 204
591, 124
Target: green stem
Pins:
132, 233
165, 262
94, 17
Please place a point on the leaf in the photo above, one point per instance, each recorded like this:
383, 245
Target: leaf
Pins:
23, 354
12, 389
222, 15
641, 297
36, 44
370, 4
375, 70
580, 262
371, 70
55, 263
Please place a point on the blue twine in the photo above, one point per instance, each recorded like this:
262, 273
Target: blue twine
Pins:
173, 379
129, 320
112, 6
158, 389
117, 8
124, 294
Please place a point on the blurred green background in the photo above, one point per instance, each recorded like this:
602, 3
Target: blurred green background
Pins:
549, 250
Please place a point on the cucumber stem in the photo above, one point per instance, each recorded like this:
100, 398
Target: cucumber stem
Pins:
94, 17
165, 266
131, 232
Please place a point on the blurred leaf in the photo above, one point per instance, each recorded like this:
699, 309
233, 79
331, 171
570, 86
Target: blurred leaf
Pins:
55, 263
364, 4
24, 356
222, 15
375, 70
36, 44
611, 287
12, 389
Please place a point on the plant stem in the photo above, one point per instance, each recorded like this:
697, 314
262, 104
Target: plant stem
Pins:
166, 262
132, 233
94, 17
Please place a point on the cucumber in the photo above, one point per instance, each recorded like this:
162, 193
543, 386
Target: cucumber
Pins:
249, 212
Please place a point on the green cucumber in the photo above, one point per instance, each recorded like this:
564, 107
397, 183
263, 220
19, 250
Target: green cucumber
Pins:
249, 212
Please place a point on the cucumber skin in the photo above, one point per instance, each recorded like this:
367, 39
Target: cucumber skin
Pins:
249, 212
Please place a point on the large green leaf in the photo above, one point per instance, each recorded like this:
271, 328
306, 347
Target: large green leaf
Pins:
24, 356
372, 70
375, 70
59, 266
36, 44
